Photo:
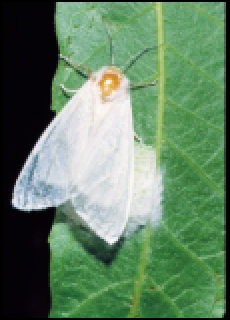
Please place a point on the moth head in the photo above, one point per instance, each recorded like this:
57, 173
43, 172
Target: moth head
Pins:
110, 80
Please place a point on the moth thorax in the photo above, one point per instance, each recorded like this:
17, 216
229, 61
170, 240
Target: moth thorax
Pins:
110, 81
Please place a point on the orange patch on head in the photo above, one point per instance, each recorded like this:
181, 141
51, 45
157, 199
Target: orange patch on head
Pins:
110, 81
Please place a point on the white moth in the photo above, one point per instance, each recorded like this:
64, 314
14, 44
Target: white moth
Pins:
85, 157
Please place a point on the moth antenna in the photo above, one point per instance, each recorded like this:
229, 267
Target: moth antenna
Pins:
135, 58
112, 51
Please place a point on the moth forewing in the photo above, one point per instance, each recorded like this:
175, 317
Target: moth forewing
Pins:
86, 156
45, 178
105, 172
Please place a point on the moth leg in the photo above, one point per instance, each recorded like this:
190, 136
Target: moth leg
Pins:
144, 85
66, 90
137, 138
77, 67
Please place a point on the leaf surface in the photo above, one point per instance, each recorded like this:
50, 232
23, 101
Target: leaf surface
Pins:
185, 272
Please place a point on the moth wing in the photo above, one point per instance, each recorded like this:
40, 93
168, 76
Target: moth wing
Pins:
103, 191
46, 178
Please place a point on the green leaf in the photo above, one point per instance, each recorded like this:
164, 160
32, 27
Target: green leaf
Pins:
185, 272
